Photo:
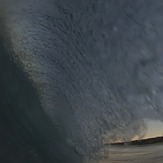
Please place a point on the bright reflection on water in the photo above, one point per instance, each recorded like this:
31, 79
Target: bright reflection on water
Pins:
135, 154
142, 153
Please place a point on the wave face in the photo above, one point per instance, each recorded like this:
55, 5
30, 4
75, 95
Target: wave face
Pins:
77, 75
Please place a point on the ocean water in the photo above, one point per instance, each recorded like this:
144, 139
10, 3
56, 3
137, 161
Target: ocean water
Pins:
78, 81
135, 154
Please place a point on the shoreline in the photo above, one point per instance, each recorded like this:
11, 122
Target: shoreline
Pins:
141, 142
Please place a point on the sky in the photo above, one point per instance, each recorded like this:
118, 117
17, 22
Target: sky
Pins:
154, 129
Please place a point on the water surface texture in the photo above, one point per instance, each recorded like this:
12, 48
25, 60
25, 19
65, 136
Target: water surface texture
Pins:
136, 154
79, 75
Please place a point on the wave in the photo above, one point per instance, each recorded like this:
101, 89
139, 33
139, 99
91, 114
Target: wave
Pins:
71, 82
26, 132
